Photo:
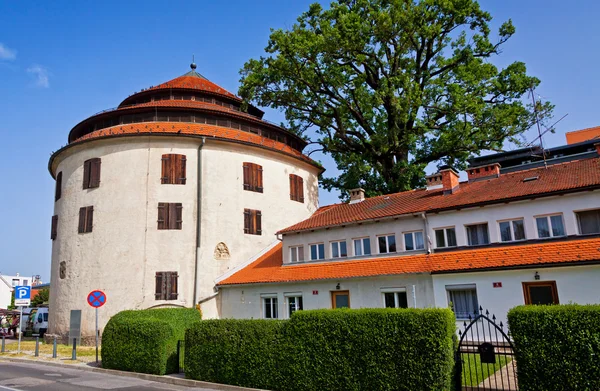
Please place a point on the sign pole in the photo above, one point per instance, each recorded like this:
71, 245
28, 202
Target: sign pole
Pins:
20, 329
96, 335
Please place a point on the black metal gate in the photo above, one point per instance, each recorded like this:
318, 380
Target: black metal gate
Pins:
485, 355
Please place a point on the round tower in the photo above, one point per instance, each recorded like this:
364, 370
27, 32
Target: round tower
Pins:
157, 198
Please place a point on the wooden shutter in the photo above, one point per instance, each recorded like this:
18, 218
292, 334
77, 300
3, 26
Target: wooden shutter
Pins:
158, 292
258, 177
82, 215
86, 173
172, 285
247, 174
94, 169
180, 163
247, 221
53, 230
257, 222
292, 187
58, 189
175, 216
300, 188
89, 219
163, 209
166, 169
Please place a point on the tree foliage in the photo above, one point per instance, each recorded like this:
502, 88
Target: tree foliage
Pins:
42, 297
390, 86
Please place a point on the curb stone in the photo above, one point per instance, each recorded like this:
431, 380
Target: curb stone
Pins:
167, 379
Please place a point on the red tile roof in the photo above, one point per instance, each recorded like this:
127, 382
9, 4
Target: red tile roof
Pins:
194, 83
210, 131
269, 268
570, 176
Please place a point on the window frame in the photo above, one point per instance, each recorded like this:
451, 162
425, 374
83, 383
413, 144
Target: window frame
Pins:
58, 186
166, 286
294, 249
577, 212
387, 244
86, 219
512, 230
274, 304
252, 222
54, 227
395, 291
413, 235
527, 292
91, 173
295, 296
317, 244
173, 169
172, 216
469, 237
296, 188
459, 288
362, 246
548, 218
252, 177
338, 244
445, 232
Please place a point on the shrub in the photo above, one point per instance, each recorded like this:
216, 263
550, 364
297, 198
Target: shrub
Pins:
146, 340
557, 347
231, 351
369, 349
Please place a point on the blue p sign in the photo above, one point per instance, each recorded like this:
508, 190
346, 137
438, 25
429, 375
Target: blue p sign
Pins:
22, 292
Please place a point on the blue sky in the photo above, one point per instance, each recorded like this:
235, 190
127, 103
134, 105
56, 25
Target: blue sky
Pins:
63, 61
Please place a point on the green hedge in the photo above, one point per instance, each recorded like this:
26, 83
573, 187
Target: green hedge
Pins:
557, 347
146, 340
369, 349
238, 352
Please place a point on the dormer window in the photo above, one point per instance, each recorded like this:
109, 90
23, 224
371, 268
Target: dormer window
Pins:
296, 254
387, 244
338, 249
317, 251
550, 226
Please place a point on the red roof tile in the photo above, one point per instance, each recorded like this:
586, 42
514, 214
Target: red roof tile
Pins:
563, 177
269, 268
210, 131
194, 83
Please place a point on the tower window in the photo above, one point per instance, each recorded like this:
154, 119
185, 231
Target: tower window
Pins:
54, 229
252, 222
169, 215
296, 188
86, 219
166, 286
58, 189
253, 178
173, 169
91, 173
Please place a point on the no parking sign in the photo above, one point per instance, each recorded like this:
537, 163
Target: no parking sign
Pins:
96, 299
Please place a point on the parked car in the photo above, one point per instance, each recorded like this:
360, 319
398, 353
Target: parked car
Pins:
38, 321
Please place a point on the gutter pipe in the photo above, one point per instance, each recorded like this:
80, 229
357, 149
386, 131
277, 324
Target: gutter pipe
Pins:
199, 215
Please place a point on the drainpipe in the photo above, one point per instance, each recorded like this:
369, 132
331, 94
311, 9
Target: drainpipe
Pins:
199, 215
426, 230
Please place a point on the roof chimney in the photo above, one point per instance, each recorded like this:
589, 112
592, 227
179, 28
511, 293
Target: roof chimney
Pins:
357, 195
449, 180
597, 145
434, 181
488, 171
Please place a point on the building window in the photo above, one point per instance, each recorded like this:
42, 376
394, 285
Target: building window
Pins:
86, 219
253, 177
362, 246
54, 228
297, 254
512, 230
270, 307
463, 300
589, 222
395, 299
166, 286
540, 292
477, 234
413, 241
550, 226
58, 188
91, 173
317, 251
294, 304
252, 222
173, 169
296, 188
170, 215
387, 244
25, 282
445, 237
338, 249
15, 282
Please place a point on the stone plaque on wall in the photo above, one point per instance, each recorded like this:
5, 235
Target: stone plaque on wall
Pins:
222, 251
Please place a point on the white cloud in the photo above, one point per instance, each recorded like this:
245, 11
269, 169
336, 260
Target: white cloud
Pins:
6, 53
41, 75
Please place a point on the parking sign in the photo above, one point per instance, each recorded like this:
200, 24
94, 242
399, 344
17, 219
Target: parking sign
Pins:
22, 296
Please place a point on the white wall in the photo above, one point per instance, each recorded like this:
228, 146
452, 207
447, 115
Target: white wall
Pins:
244, 302
5, 294
125, 249
575, 284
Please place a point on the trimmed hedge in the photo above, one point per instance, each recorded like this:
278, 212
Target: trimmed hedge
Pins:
237, 352
557, 347
146, 340
367, 349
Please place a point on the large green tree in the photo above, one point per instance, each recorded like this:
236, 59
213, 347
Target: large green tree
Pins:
390, 86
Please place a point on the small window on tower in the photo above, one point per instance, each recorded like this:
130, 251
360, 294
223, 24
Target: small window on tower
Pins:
296, 188
54, 229
91, 173
58, 189
170, 215
252, 222
253, 177
86, 219
166, 286
173, 169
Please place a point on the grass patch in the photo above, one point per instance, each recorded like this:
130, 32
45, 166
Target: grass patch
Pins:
474, 372
62, 350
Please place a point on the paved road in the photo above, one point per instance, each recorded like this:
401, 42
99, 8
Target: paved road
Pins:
31, 376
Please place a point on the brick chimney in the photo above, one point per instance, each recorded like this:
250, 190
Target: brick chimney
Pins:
449, 180
488, 171
357, 195
434, 181
597, 145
